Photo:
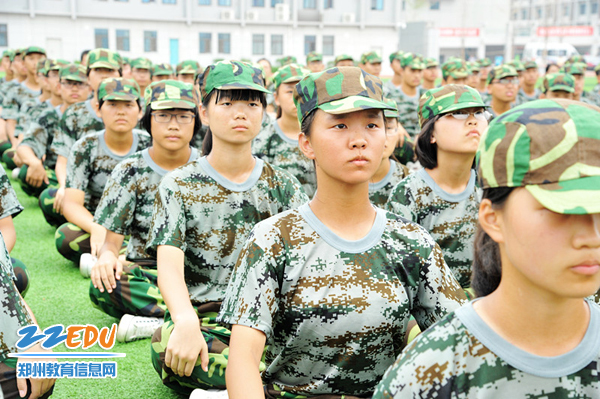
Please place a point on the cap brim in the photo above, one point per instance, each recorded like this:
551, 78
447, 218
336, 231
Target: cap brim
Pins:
572, 197
390, 114
120, 97
74, 78
470, 104
352, 104
239, 86
563, 88
168, 104
102, 64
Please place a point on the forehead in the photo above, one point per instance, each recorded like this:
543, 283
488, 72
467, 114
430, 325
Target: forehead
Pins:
362, 114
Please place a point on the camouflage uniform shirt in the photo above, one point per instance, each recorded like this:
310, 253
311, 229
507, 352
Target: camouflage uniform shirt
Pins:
41, 133
462, 357
450, 218
29, 112
91, 162
408, 107
126, 205
14, 98
5, 87
523, 98
9, 204
209, 217
334, 311
380, 191
77, 121
273, 146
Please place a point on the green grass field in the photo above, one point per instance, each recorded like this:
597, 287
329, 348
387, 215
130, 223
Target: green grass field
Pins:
58, 294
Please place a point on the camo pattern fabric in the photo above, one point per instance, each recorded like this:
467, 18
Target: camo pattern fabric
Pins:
450, 218
9, 203
167, 94
209, 218
501, 71
14, 98
40, 135
452, 360
558, 81
29, 112
456, 68
119, 89
5, 87
126, 204
231, 75
446, 99
77, 121
305, 288
523, 97
104, 58
380, 191
91, 163
273, 146
408, 107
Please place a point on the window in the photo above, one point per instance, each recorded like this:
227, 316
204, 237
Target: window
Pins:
225, 3
328, 45
169, 1
101, 38
566, 10
582, 8
3, 35
549, 11
276, 44
203, 2
434, 5
310, 44
258, 44
310, 3
205, 40
258, 3
524, 14
224, 43
376, 4
327, 4
275, 2
538, 12
149, 40
594, 7
147, 1
123, 39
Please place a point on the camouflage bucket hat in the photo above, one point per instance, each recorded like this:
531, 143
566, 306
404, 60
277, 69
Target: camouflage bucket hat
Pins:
431, 62
73, 72
501, 71
442, 100
550, 147
339, 90
577, 68
558, 81
286, 60
162, 69
141, 63
314, 56
104, 58
391, 113
119, 89
396, 55
343, 57
413, 61
531, 65
188, 67
33, 50
456, 68
484, 62
170, 93
372, 57
231, 75
289, 74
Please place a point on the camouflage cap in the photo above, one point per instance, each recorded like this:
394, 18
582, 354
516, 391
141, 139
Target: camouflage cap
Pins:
501, 71
8, 53
231, 75
431, 62
577, 68
141, 63
126, 61
530, 65
162, 69
372, 57
288, 59
517, 64
188, 67
338, 90
411, 60
104, 58
473, 67
52, 65
558, 81
456, 68
484, 62
391, 113
120, 89
574, 59
170, 93
442, 100
343, 57
396, 55
42, 66
550, 147
73, 72
33, 50
597, 68
314, 56
289, 74
19, 51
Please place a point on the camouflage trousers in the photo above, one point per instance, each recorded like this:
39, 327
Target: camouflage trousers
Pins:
8, 381
71, 242
217, 339
21, 276
8, 158
4, 145
46, 201
274, 392
36, 191
136, 293
405, 153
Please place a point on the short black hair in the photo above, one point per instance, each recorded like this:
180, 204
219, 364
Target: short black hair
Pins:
83, 54
101, 102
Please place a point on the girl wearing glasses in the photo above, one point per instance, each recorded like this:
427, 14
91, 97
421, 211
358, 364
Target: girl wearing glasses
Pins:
202, 214
442, 197
128, 290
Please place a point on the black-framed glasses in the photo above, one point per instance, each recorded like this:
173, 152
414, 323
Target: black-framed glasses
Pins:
463, 115
164, 117
73, 83
508, 81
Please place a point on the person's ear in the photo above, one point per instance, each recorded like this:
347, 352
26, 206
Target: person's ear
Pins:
203, 111
276, 98
96, 107
306, 146
490, 220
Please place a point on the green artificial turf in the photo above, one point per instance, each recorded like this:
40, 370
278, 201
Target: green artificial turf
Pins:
58, 294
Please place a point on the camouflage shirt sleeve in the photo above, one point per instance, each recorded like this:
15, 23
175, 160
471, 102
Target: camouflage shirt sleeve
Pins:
9, 204
401, 199
11, 105
78, 166
37, 136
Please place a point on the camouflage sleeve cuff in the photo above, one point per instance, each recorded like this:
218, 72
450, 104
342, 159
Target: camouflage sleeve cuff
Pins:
231, 319
152, 246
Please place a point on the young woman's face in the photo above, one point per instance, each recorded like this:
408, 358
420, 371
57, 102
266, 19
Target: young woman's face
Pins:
173, 135
545, 251
458, 136
120, 116
347, 148
284, 98
234, 122
392, 135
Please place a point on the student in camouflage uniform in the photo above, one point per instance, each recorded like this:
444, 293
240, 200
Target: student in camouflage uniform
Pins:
473, 78
577, 70
37, 171
558, 85
77, 121
442, 197
485, 66
301, 280
391, 171
123, 289
162, 72
503, 83
370, 62
141, 72
187, 71
454, 71
430, 74
5, 82
203, 212
396, 80
278, 144
528, 91
126, 68
91, 162
531, 334
314, 62
343, 60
